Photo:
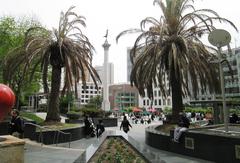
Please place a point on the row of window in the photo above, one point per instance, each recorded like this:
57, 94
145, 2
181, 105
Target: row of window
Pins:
157, 102
90, 87
91, 92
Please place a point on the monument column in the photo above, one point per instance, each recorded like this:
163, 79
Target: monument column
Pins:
105, 103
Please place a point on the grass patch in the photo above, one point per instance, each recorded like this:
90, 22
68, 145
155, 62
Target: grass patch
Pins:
31, 116
48, 125
57, 125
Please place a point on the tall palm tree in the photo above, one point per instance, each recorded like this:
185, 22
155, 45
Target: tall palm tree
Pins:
64, 48
171, 49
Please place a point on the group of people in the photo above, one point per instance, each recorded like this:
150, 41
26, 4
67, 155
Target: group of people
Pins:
91, 130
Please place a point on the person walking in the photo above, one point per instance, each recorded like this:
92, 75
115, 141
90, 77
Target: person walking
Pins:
100, 128
125, 125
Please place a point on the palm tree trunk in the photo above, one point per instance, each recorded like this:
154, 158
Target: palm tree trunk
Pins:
53, 105
177, 102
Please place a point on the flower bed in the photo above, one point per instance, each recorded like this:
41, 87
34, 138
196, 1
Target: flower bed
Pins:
116, 149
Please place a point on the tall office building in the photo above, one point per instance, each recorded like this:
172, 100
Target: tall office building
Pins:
231, 79
129, 65
100, 70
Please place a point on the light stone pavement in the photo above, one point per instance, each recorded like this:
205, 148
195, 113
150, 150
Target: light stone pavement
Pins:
45, 154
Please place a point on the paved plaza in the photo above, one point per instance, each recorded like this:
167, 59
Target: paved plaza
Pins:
35, 153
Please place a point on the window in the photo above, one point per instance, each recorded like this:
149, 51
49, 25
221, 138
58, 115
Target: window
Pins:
155, 102
169, 102
155, 93
144, 102
159, 102
164, 102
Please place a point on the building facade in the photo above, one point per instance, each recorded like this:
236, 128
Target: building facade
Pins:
123, 96
129, 65
231, 79
100, 70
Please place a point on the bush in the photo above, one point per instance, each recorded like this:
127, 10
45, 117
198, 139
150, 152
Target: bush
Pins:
92, 112
73, 115
198, 110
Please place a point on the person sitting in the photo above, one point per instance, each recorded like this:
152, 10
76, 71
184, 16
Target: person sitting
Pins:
234, 118
16, 124
183, 125
100, 128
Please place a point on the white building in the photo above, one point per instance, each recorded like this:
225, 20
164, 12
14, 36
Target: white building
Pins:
129, 65
90, 91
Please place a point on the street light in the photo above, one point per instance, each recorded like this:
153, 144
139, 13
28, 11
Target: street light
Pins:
220, 38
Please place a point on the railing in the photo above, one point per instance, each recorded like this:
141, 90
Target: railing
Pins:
56, 134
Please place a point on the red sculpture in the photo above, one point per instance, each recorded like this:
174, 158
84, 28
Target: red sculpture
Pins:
7, 100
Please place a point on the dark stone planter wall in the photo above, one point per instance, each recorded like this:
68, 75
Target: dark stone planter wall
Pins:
48, 136
108, 122
4, 128
28, 130
209, 147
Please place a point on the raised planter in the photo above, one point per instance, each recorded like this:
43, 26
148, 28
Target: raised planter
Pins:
48, 136
198, 143
117, 149
108, 122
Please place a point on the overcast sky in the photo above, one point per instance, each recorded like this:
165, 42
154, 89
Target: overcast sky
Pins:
115, 15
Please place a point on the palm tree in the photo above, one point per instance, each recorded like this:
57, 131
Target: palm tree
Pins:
64, 48
171, 49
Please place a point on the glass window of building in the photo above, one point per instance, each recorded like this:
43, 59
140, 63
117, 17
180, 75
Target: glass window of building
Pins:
169, 102
155, 102
159, 102
164, 102
144, 102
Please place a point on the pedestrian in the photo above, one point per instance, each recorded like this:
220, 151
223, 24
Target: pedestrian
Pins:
125, 125
100, 128
16, 125
87, 126
183, 125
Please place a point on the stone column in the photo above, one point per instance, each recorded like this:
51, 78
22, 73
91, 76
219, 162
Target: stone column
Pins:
105, 103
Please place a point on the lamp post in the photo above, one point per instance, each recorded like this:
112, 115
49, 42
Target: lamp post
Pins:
220, 38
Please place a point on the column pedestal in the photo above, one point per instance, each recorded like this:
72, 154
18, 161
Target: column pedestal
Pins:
11, 150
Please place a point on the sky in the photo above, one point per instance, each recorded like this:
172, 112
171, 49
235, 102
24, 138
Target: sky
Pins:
114, 15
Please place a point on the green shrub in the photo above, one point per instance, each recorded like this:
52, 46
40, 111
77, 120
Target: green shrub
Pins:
75, 108
73, 115
198, 109
92, 112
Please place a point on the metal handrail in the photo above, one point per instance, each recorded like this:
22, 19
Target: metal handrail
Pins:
54, 138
